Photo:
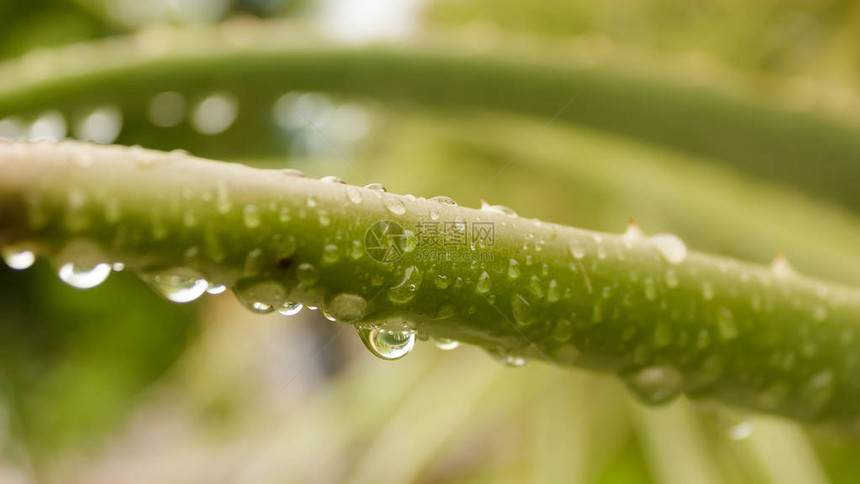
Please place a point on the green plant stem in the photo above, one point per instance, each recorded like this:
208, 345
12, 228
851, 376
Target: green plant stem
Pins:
764, 338
259, 61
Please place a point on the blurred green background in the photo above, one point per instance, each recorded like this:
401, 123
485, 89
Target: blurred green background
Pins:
115, 384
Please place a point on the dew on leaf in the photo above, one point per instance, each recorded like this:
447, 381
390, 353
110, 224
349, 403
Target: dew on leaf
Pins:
388, 345
84, 276
180, 285
290, 308
670, 247
18, 259
655, 385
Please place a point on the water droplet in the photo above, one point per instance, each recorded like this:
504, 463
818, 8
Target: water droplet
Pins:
650, 289
576, 249
251, 216
388, 345
405, 290
18, 259
671, 278
442, 281
326, 314
513, 269
434, 214
216, 289
330, 254
215, 114
307, 273
497, 209
483, 284
290, 308
522, 310
655, 385
444, 200
347, 308
552, 291
179, 285
378, 187
354, 195
511, 361
117, 266
84, 276
726, 324
394, 204
446, 344
332, 179
260, 295
670, 247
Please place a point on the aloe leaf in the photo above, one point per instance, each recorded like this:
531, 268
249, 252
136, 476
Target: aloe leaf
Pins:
667, 319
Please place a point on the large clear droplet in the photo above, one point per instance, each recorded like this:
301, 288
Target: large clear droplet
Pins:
18, 259
260, 295
84, 276
394, 204
388, 345
179, 285
657, 384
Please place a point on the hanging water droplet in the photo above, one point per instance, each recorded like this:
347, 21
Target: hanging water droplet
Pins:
84, 276
445, 344
290, 308
332, 179
670, 247
347, 308
483, 284
354, 195
444, 200
117, 266
655, 385
18, 259
179, 285
405, 290
215, 288
326, 314
394, 204
260, 295
388, 345
378, 187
